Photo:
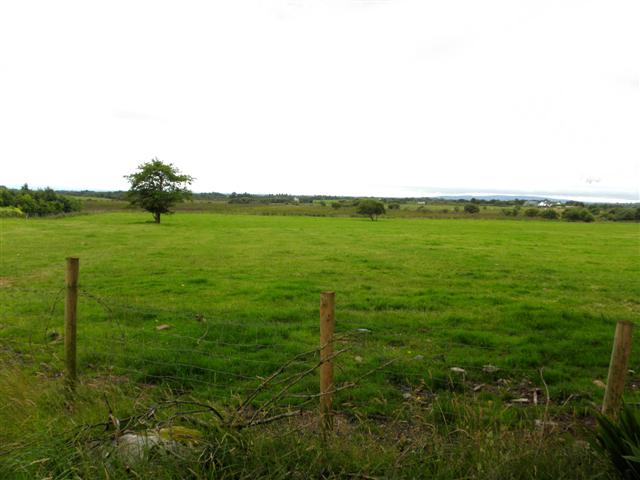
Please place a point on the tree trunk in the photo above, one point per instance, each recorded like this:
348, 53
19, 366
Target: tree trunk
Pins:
156, 217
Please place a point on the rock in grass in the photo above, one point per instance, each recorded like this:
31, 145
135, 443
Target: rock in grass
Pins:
164, 326
543, 424
132, 448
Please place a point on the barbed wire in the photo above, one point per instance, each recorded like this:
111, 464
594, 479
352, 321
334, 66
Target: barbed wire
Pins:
193, 364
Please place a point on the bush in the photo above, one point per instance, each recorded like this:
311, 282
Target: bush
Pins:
549, 213
620, 441
11, 212
471, 208
336, 205
577, 214
531, 212
394, 206
626, 215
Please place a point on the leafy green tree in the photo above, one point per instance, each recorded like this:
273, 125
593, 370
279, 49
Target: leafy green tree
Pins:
7, 197
371, 208
38, 202
27, 204
157, 186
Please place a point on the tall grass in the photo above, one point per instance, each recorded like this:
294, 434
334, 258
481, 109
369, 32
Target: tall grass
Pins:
43, 437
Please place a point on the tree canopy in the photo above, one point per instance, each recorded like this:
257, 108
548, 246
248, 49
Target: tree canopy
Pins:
157, 186
371, 208
37, 202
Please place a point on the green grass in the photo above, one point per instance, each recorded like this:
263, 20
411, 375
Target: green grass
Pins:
241, 294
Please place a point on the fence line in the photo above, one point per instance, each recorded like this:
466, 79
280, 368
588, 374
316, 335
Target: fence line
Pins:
420, 341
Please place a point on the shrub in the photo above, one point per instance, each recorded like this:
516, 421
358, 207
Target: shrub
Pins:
11, 212
394, 206
549, 213
471, 208
531, 212
336, 205
578, 214
626, 215
620, 441
511, 212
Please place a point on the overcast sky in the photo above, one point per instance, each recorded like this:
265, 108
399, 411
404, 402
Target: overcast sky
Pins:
367, 97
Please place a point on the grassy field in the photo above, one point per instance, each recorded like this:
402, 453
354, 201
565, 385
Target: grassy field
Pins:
436, 210
509, 305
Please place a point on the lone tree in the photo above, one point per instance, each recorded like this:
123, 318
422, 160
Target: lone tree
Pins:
370, 208
157, 186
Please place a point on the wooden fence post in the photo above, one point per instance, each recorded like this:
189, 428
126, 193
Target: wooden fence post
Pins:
327, 325
70, 316
617, 369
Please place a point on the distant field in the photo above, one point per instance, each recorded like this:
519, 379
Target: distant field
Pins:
317, 209
434, 294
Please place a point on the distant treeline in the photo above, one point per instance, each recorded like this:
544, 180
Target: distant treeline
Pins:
288, 198
27, 202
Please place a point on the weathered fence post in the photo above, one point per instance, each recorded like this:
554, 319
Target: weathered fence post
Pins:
70, 315
617, 369
327, 325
